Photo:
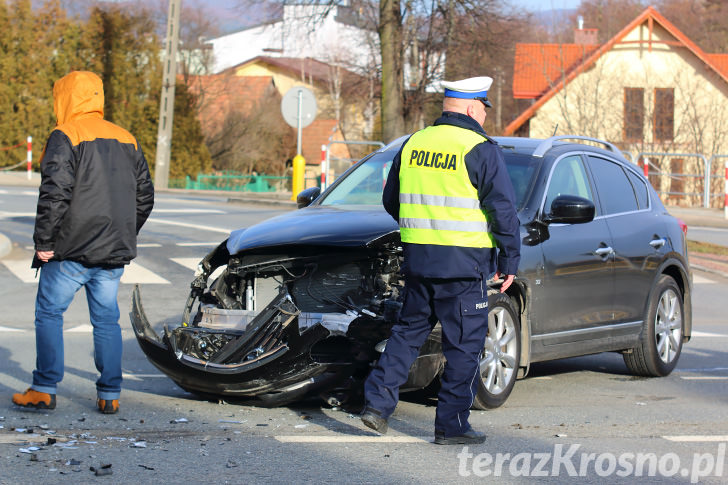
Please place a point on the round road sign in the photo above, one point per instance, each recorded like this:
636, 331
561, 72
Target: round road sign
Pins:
295, 97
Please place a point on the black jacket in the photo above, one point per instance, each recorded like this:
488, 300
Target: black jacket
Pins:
96, 192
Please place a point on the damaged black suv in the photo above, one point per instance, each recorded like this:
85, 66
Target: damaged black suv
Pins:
302, 304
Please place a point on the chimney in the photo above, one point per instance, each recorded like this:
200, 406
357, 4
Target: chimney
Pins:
584, 36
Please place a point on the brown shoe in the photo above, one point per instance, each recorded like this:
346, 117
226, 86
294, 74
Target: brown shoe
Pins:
35, 400
108, 407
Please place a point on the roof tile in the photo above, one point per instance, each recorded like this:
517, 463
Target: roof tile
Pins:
539, 66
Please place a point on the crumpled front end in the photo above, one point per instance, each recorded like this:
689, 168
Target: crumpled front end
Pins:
279, 323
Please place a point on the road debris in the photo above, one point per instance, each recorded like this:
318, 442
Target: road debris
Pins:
102, 470
180, 420
146, 467
139, 444
29, 449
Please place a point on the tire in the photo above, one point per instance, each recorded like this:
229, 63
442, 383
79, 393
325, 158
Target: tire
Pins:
662, 332
501, 354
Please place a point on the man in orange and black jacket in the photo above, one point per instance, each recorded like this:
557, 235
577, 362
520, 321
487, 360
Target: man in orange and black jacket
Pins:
95, 195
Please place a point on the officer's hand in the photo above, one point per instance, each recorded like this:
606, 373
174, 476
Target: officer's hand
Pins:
44, 255
507, 280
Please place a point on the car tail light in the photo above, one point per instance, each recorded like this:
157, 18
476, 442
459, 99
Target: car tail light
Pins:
683, 226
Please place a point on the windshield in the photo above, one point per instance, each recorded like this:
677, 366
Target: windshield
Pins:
363, 185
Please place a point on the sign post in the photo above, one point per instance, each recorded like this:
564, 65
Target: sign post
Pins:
298, 107
30, 156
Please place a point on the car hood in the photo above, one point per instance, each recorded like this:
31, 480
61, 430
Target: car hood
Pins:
316, 225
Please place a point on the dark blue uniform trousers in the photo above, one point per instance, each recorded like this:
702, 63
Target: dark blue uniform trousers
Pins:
461, 306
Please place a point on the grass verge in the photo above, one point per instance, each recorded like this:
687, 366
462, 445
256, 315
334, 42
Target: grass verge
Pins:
707, 248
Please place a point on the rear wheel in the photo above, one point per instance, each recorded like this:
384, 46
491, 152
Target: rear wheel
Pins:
501, 354
662, 335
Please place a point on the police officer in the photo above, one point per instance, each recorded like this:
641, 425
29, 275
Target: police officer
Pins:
449, 190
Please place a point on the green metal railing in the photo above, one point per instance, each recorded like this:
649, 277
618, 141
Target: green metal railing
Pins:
238, 182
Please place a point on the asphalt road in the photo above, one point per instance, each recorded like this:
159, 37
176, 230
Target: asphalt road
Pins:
713, 235
584, 417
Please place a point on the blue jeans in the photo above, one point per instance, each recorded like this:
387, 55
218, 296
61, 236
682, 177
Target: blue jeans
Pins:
59, 282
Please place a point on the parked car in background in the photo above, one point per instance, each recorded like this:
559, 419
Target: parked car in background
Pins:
302, 304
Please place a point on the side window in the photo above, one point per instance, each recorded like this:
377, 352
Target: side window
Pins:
614, 188
568, 178
640, 189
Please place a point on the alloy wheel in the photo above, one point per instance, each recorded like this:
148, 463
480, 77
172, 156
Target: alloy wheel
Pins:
668, 326
498, 362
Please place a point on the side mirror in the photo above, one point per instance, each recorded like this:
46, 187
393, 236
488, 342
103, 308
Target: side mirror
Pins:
305, 197
570, 209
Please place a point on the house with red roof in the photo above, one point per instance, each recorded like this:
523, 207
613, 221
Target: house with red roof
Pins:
255, 89
340, 93
220, 95
648, 89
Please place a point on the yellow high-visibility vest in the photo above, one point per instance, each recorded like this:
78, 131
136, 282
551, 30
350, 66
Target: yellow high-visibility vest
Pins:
437, 202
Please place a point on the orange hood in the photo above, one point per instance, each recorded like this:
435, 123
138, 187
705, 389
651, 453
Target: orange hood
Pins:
78, 94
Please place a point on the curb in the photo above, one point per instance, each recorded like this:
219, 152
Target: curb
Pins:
705, 269
5, 245
245, 200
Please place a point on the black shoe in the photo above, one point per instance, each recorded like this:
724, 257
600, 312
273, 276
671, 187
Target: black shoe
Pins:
470, 437
373, 419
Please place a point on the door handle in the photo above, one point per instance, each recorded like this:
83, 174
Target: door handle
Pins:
657, 243
604, 251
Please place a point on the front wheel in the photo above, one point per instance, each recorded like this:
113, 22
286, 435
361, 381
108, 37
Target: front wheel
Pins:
662, 335
501, 354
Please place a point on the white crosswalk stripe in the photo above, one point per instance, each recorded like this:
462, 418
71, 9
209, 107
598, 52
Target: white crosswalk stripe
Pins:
21, 268
190, 263
8, 329
699, 280
196, 244
133, 273
136, 273
187, 211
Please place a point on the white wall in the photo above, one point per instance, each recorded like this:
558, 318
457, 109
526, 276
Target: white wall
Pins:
302, 33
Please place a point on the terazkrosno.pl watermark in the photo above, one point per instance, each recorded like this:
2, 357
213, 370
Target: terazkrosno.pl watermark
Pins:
565, 460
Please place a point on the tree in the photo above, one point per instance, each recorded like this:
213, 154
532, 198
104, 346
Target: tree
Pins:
123, 49
704, 22
190, 153
253, 139
390, 39
413, 37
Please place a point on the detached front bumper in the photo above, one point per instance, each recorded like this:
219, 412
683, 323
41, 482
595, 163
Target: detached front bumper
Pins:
271, 356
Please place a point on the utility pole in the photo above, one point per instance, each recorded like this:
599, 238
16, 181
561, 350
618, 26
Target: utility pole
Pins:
166, 105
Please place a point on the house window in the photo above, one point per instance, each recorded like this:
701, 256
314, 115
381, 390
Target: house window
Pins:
634, 114
664, 114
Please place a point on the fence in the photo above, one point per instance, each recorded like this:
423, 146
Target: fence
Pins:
690, 184
237, 182
702, 183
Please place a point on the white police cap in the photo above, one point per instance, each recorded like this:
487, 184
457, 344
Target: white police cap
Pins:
471, 88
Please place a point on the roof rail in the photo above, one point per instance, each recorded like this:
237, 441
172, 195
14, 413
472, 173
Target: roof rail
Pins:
546, 145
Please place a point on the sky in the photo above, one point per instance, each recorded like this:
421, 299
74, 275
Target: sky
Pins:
225, 9
540, 5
